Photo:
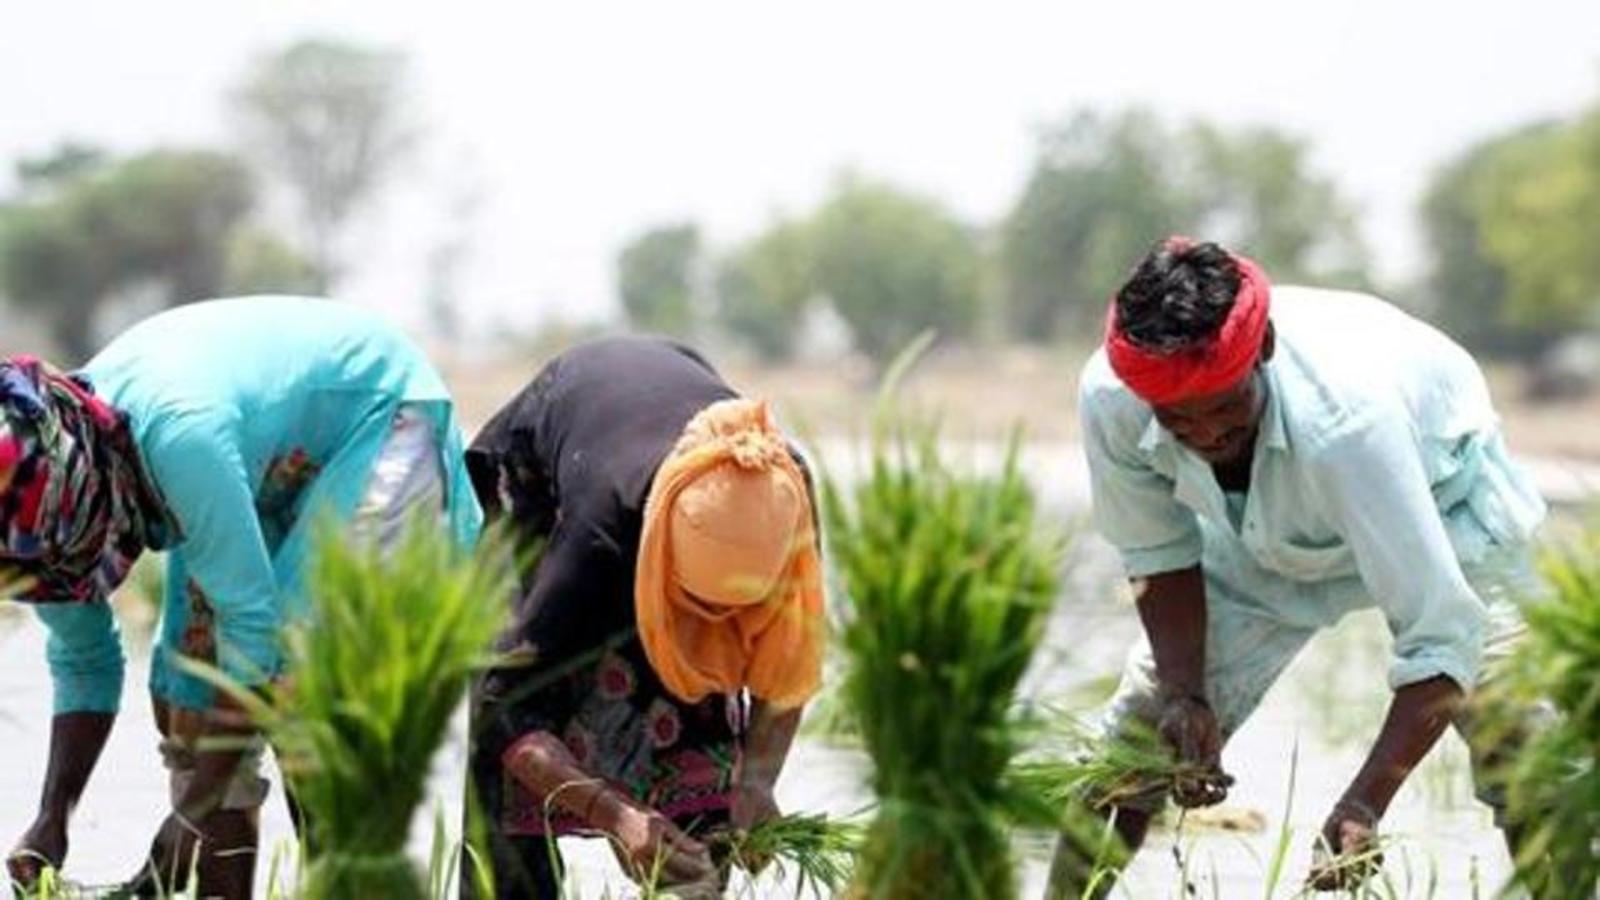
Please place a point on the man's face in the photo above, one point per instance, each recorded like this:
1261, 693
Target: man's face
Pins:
1220, 428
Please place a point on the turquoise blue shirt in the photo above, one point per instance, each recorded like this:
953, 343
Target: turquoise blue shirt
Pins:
1379, 460
254, 417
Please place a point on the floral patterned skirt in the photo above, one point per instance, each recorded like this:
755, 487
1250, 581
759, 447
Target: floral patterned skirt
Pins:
622, 725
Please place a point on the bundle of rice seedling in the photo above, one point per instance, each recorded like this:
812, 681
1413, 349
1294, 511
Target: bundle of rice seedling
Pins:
948, 578
1553, 780
818, 851
373, 679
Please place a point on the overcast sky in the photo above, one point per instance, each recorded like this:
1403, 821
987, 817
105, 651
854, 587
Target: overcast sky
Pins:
582, 121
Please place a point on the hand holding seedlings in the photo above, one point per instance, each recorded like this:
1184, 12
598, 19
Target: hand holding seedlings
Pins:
753, 805
653, 850
1346, 853
1190, 727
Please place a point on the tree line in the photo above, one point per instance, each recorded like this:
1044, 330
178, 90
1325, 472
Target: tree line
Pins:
325, 125
1509, 224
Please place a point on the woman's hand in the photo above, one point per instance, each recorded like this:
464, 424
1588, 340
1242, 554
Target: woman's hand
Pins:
753, 804
652, 850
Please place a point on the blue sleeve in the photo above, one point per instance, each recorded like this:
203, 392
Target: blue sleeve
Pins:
1134, 505
201, 473
85, 654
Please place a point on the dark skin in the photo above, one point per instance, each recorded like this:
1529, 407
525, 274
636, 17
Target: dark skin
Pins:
644, 840
76, 740
197, 821
1221, 429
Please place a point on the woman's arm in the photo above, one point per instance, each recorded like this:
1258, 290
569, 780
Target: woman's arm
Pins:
647, 842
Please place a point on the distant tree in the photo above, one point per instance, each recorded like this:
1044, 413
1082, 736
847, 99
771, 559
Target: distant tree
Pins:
894, 264
329, 118
261, 262
1465, 291
656, 279
763, 288
166, 220
1539, 220
1257, 191
49, 265
68, 161
1511, 224
1102, 190
1106, 187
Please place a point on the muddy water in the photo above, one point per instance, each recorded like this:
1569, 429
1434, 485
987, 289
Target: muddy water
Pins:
1445, 837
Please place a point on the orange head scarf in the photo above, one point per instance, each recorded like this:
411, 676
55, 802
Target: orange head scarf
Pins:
728, 591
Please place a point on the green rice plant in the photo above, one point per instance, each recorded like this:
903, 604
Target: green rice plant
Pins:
819, 851
1280, 848
373, 678
52, 886
948, 579
1553, 780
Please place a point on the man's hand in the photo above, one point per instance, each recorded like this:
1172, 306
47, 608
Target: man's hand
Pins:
653, 850
1190, 727
44, 846
1346, 854
1347, 851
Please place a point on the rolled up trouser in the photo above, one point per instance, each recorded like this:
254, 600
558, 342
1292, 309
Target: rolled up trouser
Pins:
405, 477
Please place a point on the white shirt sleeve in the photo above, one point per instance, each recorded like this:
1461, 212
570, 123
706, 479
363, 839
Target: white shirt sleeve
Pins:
1134, 505
1373, 482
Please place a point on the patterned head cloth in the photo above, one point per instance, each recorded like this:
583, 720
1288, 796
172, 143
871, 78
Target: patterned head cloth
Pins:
75, 509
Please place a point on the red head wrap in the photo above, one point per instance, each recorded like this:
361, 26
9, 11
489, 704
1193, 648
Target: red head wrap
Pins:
1210, 367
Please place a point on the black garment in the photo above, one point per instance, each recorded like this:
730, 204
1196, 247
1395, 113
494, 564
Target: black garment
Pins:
575, 454
571, 460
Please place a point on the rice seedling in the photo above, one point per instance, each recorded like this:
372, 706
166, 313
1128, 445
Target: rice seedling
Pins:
818, 851
1553, 782
949, 578
373, 679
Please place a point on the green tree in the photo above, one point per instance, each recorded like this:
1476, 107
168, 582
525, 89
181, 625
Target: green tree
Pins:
164, 218
329, 118
894, 264
655, 279
167, 220
67, 162
1511, 224
763, 288
1106, 187
1257, 191
1465, 291
1102, 190
1539, 209
261, 262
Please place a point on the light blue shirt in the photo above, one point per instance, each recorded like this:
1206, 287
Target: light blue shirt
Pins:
1378, 464
254, 417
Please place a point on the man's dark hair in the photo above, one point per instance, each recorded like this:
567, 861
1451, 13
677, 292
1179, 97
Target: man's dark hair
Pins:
1179, 295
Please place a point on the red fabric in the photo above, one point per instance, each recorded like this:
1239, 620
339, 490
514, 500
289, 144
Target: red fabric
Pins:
1163, 378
